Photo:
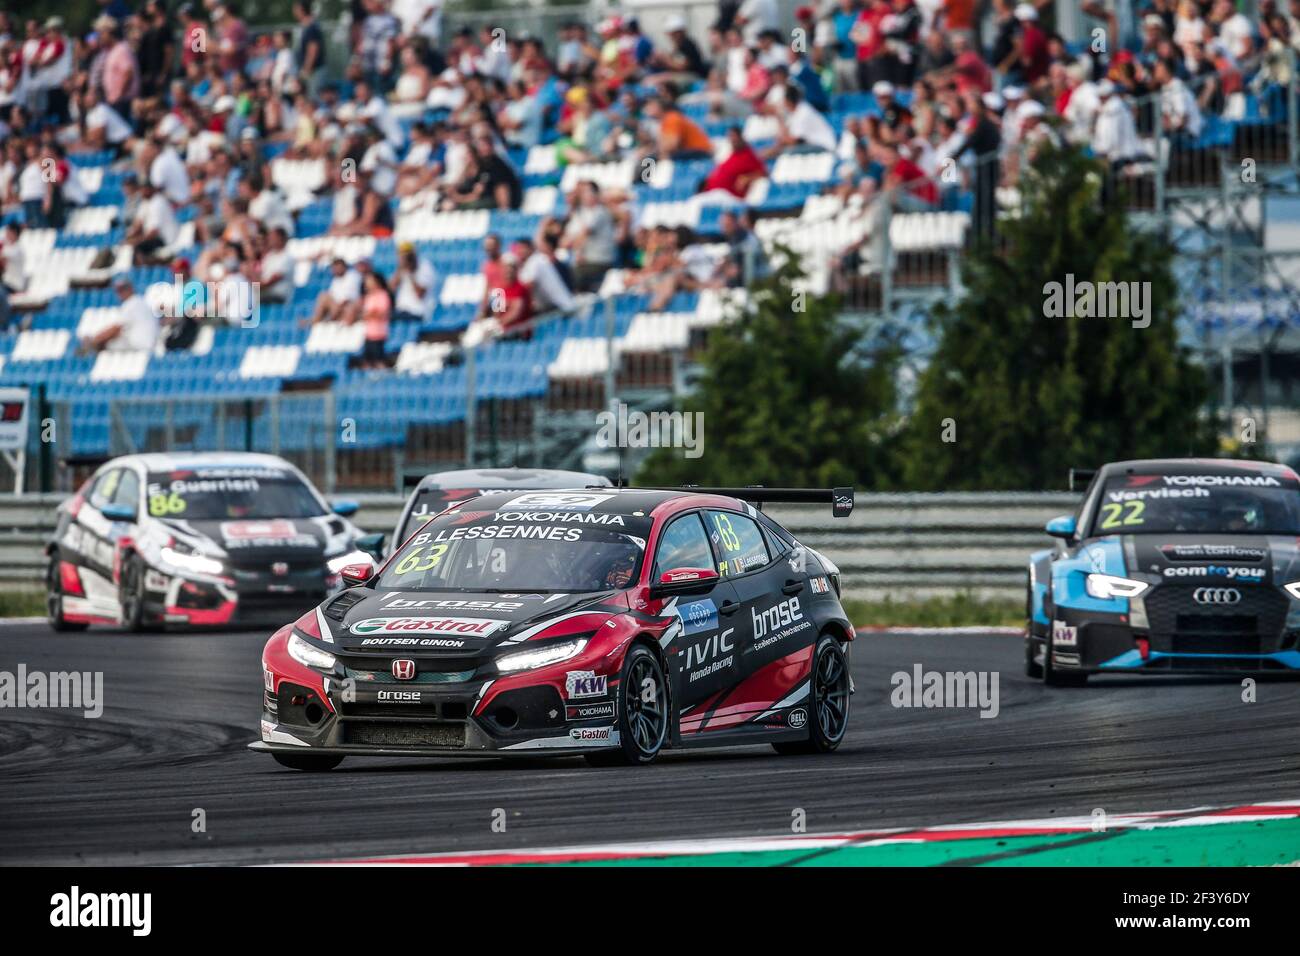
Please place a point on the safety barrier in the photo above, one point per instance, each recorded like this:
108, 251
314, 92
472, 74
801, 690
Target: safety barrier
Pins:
893, 545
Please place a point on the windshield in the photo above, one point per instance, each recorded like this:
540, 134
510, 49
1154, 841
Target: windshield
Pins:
429, 502
219, 494
1203, 504
565, 552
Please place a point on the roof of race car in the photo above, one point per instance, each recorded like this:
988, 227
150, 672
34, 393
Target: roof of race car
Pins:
162, 461
507, 478
639, 502
1193, 466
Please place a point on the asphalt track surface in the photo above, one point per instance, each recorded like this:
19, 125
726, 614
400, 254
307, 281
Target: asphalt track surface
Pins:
179, 710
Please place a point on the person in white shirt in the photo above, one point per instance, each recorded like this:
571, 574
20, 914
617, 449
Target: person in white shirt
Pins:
545, 284
373, 107
12, 259
167, 171
154, 225
414, 281
380, 160
1235, 30
277, 267
420, 18
135, 328
1115, 137
755, 16
105, 126
341, 299
801, 125
1178, 108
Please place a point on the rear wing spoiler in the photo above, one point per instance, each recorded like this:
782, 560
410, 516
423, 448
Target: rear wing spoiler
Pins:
840, 499
1079, 478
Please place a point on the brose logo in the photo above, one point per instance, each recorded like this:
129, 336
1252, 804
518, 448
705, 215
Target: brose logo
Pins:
777, 616
471, 626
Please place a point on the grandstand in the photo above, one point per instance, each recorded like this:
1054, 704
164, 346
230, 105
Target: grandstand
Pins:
444, 398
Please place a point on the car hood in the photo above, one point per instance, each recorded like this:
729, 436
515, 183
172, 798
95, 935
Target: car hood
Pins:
1240, 559
308, 536
459, 622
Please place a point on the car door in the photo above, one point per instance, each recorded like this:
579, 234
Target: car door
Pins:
96, 534
706, 652
772, 622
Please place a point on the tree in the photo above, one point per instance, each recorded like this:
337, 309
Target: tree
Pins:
790, 396
1017, 393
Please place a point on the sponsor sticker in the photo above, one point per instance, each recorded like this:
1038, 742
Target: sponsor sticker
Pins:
554, 501
399, 696
1065, 635
467, 626
591, 733
698, 616
819, 585
604, 708
579, 684
798, 718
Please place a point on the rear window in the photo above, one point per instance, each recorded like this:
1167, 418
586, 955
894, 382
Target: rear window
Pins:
1198, 504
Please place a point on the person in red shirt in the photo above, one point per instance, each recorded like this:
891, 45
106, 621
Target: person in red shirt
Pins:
517, 301
918, 191
737, 172
870, 40
1034, 56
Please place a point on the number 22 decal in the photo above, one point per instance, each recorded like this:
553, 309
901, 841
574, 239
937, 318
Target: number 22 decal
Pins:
1128, 513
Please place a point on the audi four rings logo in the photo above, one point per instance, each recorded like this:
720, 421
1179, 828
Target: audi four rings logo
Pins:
403, 668
1216, 596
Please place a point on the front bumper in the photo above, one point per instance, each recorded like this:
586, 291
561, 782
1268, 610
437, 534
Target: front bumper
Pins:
1166, 631
434, 718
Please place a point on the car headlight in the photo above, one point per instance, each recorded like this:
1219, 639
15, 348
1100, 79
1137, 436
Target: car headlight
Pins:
309, 654
1107, 586
1292, 589
335, 565
198, 563
526, 660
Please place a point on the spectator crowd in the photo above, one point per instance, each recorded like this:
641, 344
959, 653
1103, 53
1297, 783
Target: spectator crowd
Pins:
920, 102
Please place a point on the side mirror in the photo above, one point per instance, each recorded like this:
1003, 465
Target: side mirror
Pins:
1061, 526
344, 507
685, 581
118, 513
354, 574
372, 544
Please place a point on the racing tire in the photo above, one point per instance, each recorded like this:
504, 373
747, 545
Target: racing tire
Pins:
1032, 667
308, 763
54, 601
642, 718
1053, 676
830, 694
131, 595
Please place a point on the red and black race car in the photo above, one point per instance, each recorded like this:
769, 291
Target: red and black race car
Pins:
608, 622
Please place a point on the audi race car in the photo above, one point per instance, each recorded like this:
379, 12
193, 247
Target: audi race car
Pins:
201, 539
441, 490
1180, 565
606, 622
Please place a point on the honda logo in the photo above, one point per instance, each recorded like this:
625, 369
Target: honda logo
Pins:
1216, 596
404, 669
280, 569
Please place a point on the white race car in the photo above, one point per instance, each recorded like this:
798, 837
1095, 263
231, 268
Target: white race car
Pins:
196, 539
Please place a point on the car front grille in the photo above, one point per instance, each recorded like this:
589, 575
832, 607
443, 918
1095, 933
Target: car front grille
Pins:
384, 733
1174, 616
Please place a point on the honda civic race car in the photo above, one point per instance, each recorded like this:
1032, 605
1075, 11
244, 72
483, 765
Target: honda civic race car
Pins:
607, 622
195, 539
1180, 565
441, 490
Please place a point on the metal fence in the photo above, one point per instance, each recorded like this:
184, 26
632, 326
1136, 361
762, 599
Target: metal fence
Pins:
893, 545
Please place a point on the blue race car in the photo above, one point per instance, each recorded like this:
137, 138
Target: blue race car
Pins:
1182, 565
